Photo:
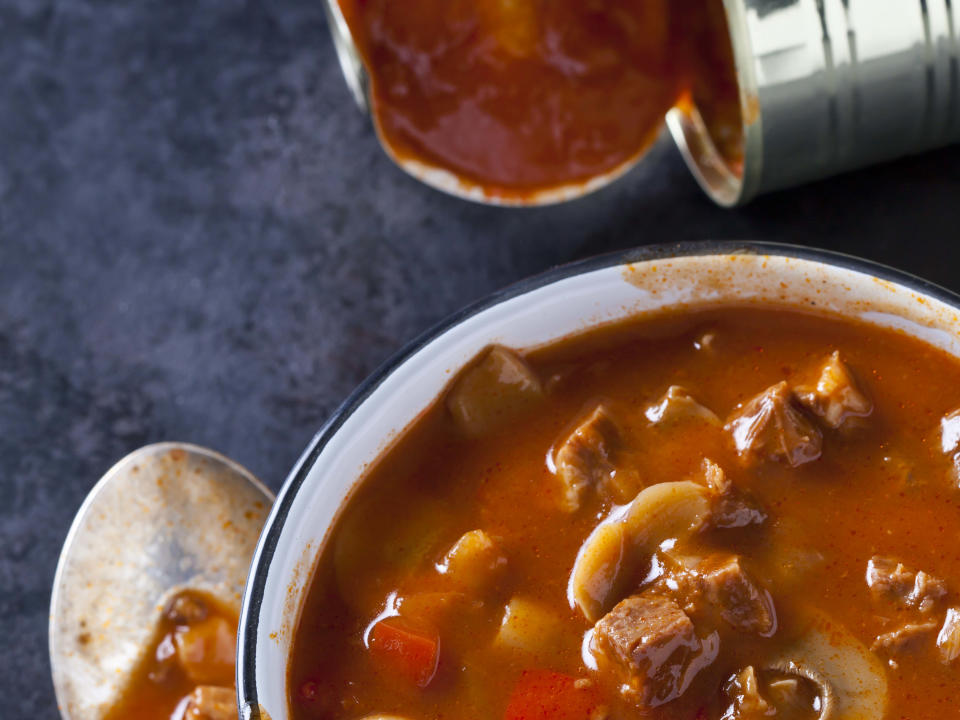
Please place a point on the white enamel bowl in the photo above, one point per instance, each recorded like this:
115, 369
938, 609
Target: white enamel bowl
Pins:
537, 311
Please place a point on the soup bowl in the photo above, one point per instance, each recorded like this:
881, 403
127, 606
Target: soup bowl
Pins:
538, 311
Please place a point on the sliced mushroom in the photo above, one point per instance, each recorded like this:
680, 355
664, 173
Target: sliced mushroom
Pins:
785, 691
620, 547
826, 695
851, 681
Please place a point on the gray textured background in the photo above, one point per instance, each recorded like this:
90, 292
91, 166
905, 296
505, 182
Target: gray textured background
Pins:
201, 240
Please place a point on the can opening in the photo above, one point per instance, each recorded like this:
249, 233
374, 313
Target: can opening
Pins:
709, 124
348, 56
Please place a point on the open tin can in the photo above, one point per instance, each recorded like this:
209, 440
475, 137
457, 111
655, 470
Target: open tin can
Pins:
825, 86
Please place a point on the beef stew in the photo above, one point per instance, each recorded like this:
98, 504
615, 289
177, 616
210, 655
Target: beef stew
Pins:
188, 672
733, 513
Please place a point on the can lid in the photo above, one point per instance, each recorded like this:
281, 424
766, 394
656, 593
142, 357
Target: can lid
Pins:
728, 178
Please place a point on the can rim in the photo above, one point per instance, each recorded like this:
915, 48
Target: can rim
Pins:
716, 178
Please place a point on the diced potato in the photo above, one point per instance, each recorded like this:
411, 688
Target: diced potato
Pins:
205, 651
529, 626
474, 561
494, 390
211, 703
948, 640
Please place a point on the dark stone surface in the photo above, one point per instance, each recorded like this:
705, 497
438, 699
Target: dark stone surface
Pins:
201, 240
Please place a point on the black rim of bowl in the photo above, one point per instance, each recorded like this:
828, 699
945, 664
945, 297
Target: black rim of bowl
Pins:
263, 556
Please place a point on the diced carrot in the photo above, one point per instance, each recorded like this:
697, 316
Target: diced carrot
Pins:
411, 654
547, 695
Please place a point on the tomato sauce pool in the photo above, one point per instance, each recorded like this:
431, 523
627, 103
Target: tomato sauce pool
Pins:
521, 96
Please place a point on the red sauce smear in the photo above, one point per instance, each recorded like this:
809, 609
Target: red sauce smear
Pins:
519, 96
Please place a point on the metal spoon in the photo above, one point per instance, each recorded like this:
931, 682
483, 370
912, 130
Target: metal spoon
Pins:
165, 517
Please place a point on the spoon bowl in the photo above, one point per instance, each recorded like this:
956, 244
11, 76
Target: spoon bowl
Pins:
166, 517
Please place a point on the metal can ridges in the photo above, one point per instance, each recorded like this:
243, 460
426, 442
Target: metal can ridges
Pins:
826, 86
829, 86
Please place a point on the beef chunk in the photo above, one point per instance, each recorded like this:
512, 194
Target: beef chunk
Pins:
950, 441
903, 638
742, 602
211, 703
730, 508
948, 639
770, 426
677, 404
927, 592
835, 395
890, 581
530, 626
736, 510
648, 646
495, 390
585, 459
